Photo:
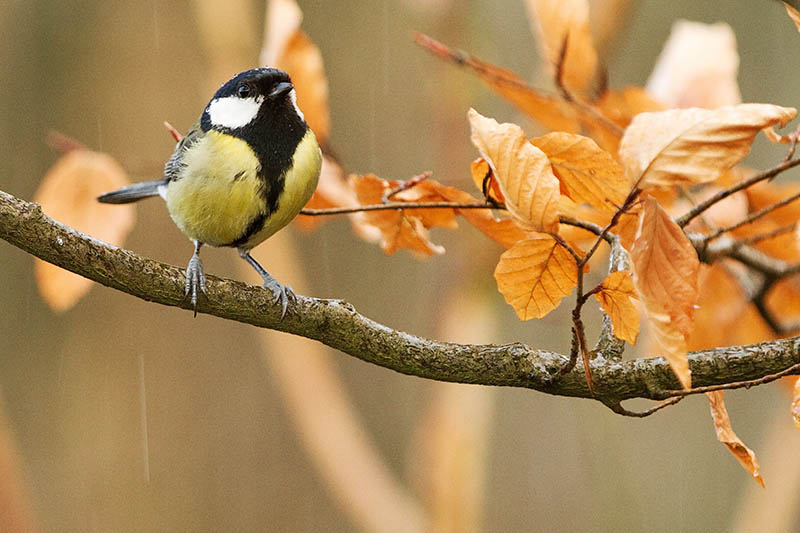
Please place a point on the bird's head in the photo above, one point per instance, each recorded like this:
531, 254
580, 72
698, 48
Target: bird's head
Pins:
253, 96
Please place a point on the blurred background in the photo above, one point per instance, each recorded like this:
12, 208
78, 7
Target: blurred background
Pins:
121, 415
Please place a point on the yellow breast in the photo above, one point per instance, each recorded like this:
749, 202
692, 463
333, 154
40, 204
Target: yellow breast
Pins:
218, 194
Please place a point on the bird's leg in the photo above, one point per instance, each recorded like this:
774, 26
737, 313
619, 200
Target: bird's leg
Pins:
195, 278
281, 293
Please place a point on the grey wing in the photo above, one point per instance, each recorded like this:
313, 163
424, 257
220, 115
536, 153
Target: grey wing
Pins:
175, 164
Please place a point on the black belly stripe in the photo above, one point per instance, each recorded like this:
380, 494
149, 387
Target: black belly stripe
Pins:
254, 227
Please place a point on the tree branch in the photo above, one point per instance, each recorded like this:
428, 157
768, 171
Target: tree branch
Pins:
337, 324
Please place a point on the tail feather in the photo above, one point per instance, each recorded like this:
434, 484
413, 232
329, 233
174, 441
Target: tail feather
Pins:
134, 192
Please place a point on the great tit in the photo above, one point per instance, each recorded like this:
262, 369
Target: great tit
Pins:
240, 174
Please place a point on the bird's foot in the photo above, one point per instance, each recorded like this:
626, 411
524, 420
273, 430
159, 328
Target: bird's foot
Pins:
280, 293
195, 281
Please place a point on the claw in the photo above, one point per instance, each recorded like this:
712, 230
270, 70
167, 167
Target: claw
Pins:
195, 277
280, 293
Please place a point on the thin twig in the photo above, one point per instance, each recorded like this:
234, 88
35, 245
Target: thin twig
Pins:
792, 143
398, 205
629, 201
617, 408
752, 217
754, 239
735, 385
721, 195
692, 200
588, 226
463, 59
578, 330
565, 245
405, 185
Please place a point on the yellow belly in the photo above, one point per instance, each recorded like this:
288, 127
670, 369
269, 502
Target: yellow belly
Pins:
215, 200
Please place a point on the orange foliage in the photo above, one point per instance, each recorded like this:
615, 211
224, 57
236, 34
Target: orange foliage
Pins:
725, 434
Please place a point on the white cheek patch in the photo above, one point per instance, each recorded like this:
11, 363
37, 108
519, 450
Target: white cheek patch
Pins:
293, 98
233, 112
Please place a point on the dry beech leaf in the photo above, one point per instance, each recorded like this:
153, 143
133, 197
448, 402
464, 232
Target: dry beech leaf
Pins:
627, 226
725, 434
503, 230
587, 172
557, 22
428, 191
793, 14
692, 146
615, 296
287, 47
665, 267
723, 213
552, 113
796, 403
683, 77
618, 106
724, 316
783, 300
68, 193
522, 171
399, 229
534, 276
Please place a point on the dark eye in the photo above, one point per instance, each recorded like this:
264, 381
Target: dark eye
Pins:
243, 91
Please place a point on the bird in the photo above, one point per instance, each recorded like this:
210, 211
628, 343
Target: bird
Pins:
242, 172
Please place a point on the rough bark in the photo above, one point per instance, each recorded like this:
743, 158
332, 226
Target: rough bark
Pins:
337, 324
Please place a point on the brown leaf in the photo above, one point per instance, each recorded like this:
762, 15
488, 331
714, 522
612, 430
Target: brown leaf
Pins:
587, 172
534, 276
399, 228
428, 191
692, 146
618, 106
615, 297
724, 316
796, 403
683, 77
68, 193
522, 171
550, 112
725, 434
557, 22
723, 213
665, 267
503, 230
793, 14
760, 195
287, 47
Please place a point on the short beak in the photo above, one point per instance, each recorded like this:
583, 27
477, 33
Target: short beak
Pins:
281, 89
